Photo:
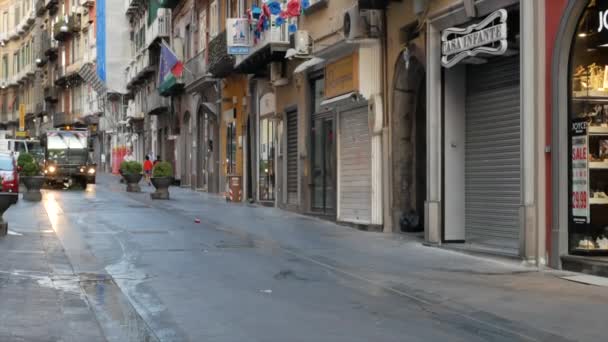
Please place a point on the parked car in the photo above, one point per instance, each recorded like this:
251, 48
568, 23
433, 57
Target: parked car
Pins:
9, 173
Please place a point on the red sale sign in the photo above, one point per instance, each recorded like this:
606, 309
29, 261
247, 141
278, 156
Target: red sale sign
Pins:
580, 173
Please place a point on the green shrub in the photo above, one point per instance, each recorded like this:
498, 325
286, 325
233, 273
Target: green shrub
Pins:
131, 167
31, 169
24, 158
162, 169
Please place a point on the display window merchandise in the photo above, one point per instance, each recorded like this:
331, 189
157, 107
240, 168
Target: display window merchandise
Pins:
588, 130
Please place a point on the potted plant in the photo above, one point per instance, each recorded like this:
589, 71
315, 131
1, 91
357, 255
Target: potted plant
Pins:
162, 176
33, 181
131, 173
23, 159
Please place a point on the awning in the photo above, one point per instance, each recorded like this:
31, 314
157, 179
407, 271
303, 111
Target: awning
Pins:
309, 63
209, 108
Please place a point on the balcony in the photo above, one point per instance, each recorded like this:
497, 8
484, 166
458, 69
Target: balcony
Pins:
270, 47
88, 3
50, 4
51, 93
139, 68
132, 6
156, 104
66, 26
13, 81
25, 73
69, 76
220, 64
49, 46
40, 7
197, 77
160, 28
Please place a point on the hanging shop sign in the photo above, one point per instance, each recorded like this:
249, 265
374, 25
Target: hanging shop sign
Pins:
486, 37
238, 36
580, 174
342, 76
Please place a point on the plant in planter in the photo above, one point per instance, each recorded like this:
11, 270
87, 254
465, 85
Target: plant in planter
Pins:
23, 159
131, 173
162, 176
33, 181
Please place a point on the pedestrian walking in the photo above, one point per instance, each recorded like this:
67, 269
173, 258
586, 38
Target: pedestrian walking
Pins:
157, 160
148, 169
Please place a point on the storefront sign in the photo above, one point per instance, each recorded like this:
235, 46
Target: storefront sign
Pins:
460, 43
580, 175
603, 21
238, 36
342, 76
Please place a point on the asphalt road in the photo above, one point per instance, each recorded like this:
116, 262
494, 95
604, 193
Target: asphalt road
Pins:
148, 271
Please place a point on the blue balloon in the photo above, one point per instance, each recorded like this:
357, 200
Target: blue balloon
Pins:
305, 4
279, 21
275, 7
293, 28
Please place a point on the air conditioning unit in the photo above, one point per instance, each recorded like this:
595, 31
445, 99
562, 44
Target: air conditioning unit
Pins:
277, 76
303, 43
360, 25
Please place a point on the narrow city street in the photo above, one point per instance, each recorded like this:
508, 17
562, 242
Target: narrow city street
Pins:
104, 265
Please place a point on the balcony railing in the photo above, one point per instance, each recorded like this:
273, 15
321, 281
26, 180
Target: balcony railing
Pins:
197, 73
131, 6
160, 28
40, 7
51, 93
155, 104
50, 3
271, 46
66, 26
220, 62
74, 67
49, 45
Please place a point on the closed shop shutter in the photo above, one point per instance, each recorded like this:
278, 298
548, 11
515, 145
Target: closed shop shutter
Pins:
292, 158
355, 166
492, 161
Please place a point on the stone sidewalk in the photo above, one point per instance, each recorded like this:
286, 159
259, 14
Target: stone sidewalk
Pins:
40, 296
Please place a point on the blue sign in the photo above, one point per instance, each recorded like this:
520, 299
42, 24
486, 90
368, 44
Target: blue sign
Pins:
100, 21
238, 50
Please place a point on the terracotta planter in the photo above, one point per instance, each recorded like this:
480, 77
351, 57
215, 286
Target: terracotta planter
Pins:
162, 187
132, 181
6, 200
33, 184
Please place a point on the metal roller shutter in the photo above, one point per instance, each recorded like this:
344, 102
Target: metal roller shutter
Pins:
292, 158
492, 161
355, 166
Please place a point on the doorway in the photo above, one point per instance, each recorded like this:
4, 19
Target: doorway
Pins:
187, 151
323, 163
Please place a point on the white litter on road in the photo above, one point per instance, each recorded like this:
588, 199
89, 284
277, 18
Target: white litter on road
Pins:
11, 232
266, 291
588, 280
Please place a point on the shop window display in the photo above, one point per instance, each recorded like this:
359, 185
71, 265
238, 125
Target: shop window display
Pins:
588, 125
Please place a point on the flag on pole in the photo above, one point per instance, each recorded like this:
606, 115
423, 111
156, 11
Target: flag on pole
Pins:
170, 68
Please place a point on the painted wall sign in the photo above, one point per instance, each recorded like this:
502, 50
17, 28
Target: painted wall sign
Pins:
238, 36
603, 21
486, 37
342, 76
580, 173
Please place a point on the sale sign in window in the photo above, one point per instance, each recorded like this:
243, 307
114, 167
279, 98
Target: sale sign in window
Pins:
580, 172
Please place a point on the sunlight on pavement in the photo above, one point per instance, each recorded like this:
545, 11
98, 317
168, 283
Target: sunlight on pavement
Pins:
53, 209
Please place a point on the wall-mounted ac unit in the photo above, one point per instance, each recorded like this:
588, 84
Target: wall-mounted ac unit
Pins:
361, 25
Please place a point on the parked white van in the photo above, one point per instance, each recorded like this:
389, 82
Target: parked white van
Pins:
17, 146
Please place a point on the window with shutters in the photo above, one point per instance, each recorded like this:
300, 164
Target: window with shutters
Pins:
202, 31
213, 19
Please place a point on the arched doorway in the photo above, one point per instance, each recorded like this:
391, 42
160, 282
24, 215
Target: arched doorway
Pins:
409, 143
186, 150
207, 166
579, 118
